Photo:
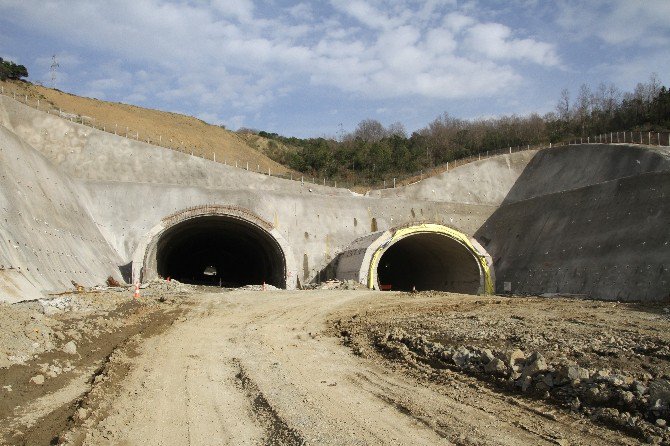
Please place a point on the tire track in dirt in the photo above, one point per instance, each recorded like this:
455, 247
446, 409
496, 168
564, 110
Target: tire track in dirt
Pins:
277, 431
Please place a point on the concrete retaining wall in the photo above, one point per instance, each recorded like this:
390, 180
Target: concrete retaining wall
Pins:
608, 240
104, 193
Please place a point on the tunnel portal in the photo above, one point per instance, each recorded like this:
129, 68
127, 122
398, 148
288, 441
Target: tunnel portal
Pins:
429, 261
220, 250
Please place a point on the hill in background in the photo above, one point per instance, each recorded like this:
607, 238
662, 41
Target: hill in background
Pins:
171, 130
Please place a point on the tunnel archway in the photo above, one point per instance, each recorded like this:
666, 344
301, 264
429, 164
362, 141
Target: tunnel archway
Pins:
426, 257
428, 261
430, 257
216, 245
221, 250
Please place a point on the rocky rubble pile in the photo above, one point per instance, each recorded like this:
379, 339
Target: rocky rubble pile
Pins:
165, 286
266, 287
638, 404
335, 285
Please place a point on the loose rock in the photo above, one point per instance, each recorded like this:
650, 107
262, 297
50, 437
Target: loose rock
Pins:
70, 348
37, 379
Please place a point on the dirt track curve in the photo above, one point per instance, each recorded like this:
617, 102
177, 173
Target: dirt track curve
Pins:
262, 368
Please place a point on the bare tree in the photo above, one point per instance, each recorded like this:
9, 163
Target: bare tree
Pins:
369, 130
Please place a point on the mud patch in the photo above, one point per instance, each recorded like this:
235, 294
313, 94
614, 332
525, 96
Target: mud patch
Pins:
99, 337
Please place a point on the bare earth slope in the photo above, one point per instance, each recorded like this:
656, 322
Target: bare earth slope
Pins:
172, 130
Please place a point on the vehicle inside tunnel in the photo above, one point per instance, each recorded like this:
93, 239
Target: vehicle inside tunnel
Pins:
429, 261
220, 250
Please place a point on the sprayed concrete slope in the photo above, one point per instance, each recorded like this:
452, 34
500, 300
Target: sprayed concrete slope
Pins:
126, 191
589, 220
48, 237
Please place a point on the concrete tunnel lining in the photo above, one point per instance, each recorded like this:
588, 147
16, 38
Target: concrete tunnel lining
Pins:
429, 261
243, 248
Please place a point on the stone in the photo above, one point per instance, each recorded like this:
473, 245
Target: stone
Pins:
627, 397
70, 348
82, 413
446, 354
548, 380
541, 386
618, 380
524, 382
495, 366
639, 388
661, 422
511, 357
461, 357
592, 394
601, 374
538, 364
487, 356
575, 372
37, 379
657, 405
575, 404
659, 390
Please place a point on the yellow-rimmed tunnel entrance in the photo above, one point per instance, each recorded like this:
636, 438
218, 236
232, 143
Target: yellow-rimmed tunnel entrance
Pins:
422, 257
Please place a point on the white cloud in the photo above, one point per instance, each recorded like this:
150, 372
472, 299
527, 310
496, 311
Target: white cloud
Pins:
457, 21
241, 10
495, 41
619, 22
302, 11
366, 14
233, 57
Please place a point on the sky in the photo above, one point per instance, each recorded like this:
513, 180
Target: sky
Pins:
318, 68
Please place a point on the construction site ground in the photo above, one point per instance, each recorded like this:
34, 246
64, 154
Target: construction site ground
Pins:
195, 365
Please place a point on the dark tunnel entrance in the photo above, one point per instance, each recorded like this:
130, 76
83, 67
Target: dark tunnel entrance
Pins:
220, 250
429, 261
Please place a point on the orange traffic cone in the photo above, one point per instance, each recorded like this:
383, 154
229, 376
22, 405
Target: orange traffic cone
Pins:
137, 290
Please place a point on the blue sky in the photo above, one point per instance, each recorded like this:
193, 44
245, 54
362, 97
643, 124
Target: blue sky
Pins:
313, 68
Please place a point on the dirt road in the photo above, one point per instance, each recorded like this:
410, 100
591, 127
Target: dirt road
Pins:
263, 368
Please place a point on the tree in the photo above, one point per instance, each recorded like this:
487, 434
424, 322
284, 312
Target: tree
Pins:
369, 130
10, 70
582, 108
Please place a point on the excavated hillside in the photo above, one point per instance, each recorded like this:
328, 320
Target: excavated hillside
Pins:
172, 130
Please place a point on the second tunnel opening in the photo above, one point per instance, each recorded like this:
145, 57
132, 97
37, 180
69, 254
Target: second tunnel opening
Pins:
429, 261
220, 250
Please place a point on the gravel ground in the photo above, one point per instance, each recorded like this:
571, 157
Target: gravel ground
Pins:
331, 366
606, 361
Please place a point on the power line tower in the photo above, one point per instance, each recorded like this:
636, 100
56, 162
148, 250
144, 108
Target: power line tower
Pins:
54, 65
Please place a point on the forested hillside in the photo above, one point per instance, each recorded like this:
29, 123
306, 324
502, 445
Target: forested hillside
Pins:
373, 152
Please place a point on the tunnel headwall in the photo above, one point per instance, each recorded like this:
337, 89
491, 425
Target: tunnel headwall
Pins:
81, 204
